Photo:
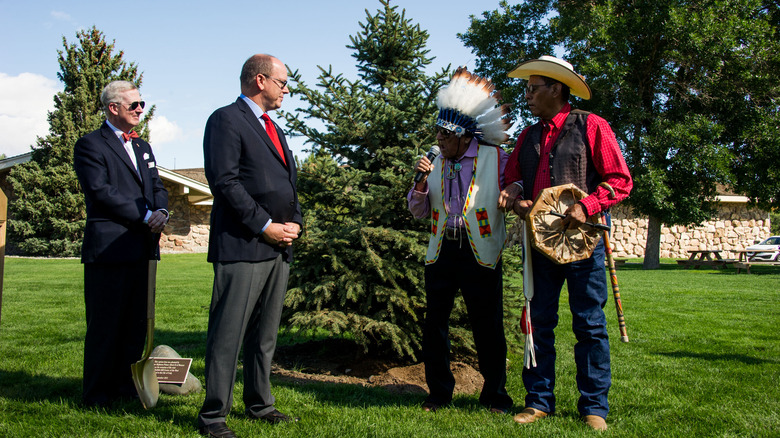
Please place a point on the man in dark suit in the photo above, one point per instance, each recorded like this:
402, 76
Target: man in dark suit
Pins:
254, 220
126, 212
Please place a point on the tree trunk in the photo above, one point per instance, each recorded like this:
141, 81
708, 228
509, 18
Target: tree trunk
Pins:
653, 244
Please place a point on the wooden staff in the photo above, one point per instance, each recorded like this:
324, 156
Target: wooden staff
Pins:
613, 273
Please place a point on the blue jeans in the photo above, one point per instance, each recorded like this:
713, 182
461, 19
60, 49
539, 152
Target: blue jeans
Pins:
587, 284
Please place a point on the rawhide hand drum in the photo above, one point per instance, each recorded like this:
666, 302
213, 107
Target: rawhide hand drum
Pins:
547, 233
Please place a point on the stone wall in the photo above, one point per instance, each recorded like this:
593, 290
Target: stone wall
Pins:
188, 228
734, 228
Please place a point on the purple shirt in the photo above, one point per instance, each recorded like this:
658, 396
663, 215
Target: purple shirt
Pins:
455, 189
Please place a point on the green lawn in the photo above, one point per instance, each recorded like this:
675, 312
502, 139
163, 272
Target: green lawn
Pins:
704, 360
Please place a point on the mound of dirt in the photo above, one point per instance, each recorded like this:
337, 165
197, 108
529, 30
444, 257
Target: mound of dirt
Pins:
340, 362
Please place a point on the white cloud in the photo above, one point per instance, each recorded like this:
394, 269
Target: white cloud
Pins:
25, 101
162, 130
59, 15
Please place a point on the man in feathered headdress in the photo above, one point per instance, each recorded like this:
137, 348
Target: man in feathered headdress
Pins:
467, 235
566, 146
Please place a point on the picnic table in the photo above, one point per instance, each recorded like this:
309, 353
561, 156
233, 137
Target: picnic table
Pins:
744, 261
705, 257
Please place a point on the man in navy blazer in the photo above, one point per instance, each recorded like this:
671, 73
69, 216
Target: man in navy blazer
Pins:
254, 220
126, 212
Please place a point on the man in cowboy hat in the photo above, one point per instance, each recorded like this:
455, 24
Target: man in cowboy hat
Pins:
458, 191
566, 146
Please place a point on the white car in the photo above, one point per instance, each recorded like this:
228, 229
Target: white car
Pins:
768, 250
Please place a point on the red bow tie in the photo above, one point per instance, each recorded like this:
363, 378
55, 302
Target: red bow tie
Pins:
127, 137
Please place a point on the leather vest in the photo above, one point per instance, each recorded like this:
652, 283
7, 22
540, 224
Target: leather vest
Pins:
570, 159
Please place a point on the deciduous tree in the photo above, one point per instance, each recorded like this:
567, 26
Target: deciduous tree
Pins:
690, 88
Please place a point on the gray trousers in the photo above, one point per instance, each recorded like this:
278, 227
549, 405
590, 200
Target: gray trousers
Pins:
246, 307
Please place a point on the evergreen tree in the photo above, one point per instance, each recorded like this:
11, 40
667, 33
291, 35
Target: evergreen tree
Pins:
688, 86
359, 265
48, 212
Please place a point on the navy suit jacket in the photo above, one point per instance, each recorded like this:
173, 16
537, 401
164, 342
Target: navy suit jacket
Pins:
250, 184
117, 198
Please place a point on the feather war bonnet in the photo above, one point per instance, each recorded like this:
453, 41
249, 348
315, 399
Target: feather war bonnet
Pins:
470, 104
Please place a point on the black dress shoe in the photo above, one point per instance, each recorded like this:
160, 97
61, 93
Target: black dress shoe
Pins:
275, 417
217, 430
431, 407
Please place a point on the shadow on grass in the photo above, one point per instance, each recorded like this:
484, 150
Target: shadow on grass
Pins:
344, 394
358, 396
352, 395
43, 394
748, 360
25, 387
760, 270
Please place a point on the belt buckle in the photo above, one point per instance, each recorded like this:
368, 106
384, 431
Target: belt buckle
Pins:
451, 233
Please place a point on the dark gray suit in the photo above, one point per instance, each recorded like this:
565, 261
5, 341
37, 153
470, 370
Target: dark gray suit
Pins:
116, 250
251, 185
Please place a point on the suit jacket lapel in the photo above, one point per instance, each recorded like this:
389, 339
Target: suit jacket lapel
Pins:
142, 169
147, 186
260, 129
116, 145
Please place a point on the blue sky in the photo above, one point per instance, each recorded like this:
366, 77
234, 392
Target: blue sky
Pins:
191, 54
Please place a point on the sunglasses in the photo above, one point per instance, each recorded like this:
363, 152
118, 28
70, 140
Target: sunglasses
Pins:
134, 105
531, 88
444, 132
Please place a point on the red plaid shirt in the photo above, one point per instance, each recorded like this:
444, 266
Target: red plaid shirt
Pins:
607, 158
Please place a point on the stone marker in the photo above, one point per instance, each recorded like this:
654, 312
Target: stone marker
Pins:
190, 386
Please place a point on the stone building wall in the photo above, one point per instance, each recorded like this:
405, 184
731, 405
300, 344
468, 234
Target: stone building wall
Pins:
733, 229
188, 228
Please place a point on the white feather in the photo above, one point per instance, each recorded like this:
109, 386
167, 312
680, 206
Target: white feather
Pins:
490, 116
474, 97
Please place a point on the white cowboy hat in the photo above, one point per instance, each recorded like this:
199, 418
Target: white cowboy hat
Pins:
554, 68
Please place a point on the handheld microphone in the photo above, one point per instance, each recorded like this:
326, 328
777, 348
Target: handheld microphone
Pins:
433, 153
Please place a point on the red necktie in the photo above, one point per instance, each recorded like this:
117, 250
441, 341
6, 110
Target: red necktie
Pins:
127, 137
271, 130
